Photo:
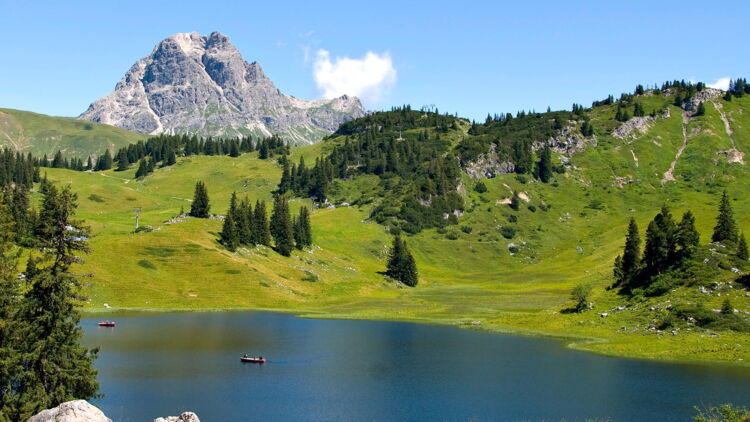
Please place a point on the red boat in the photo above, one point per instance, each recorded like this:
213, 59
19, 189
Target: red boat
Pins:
253, 359
106, 323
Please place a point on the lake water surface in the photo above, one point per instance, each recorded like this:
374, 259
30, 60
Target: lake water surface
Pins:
328, 370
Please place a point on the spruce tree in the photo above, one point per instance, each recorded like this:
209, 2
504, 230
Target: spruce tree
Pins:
742, 252
726, 227
229, 235
281, 226
122, 160
142, 169
261, 232
53, 367
687, 235
631, 255
171, 158
10, 293
105, 163
401, 263
544, 167
302, 229
245, 222
701, 110
200, 207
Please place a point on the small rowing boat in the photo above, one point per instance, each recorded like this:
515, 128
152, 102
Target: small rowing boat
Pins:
254, 359
106, 323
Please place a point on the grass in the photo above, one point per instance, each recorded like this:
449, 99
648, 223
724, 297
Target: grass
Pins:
469, 278
41, 134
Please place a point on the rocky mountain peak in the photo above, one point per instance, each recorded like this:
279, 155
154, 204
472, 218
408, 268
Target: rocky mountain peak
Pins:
191, 83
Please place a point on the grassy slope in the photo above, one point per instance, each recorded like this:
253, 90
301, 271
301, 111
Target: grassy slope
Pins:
41, 134
472, 281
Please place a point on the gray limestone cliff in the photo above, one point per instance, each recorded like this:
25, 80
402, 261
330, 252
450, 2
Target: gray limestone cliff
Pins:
201, 85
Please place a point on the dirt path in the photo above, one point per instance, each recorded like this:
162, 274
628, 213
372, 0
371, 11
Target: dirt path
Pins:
669, 174
734, 155
634, 157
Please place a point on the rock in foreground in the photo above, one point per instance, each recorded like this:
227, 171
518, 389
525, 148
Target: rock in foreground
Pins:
71, 411
185, 417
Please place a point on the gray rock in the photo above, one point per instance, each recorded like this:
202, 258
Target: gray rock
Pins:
71, 411
184, 417
201, 85
707, 94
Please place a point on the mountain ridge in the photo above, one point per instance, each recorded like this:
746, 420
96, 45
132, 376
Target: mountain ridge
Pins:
201, 85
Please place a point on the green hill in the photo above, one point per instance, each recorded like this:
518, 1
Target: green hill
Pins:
497, 268
41, 134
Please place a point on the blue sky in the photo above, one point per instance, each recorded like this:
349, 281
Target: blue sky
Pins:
466, 57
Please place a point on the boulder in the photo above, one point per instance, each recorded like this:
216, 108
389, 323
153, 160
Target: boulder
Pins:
184, 417
71, 411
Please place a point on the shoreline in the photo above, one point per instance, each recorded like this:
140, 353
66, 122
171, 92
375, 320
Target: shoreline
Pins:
568, 341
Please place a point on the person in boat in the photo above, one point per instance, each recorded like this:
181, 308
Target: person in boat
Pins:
244, 356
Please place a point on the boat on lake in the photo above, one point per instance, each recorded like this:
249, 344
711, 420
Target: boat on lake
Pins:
106, 323
254, 359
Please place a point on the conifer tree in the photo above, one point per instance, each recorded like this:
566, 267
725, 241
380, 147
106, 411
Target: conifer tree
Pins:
631, 255
726, 227
229, 235
302, 229
281, 226
261, 232
245, 222
701, 110
742, 252
142, 169
53, 367
122, 160
200, 207
401, 264
544, 167
687, 235
10, 293
105, 163
171, 158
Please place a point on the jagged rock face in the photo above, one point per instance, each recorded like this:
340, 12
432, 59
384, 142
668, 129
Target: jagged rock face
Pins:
568, 141
202, 85
637, 125
489, 165
708, 94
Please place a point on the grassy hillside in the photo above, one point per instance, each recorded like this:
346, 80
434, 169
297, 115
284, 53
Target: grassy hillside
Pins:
41, 134
474, 274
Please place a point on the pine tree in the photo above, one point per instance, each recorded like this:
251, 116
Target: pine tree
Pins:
281, 226
171, 158
142, 169
229, 235
200, 207
58, 161
245, 222
53, 367
726, 227
401, 263
631, 255
234, 149
105, 163
544, 167
302, 229
122, 160
701, 110
687, 237
742, 252
10, 292
261, 232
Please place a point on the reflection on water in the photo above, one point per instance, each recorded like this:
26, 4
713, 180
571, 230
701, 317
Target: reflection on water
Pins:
158, 365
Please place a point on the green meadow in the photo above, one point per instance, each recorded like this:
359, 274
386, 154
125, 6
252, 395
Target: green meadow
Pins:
498, 269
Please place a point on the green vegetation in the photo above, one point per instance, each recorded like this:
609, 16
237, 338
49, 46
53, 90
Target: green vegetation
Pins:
723, 413
41, 135
563, 233
401, 264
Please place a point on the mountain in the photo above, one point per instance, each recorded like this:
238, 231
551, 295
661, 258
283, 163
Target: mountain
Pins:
41, 134
201, 85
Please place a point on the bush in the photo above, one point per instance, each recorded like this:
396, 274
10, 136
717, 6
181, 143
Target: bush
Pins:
508, 232
522, 179
512, 218
452, 236
480, 187
466, 229
580, 294
531, 208
723, 413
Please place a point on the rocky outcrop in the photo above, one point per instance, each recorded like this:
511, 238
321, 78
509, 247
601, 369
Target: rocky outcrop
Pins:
567, 142
707, 94
185, 417
201, 85
489, 165
71, 411
637, 125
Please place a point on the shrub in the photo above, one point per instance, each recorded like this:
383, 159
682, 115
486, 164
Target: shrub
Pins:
580, 294
531, 208
480, 187
522, 179
452, 236
512, 218
466, 229
508, 232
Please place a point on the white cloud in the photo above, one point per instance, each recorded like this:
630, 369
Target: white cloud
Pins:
369, 78
721, 83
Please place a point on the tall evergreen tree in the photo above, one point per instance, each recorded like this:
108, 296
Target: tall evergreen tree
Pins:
52, 367
142, 169
230, 236
245, 222
687, 235
122, 160
401, 263
302, 229
105, 162
281, 226
631, 255
742, 252
261, 232
726, 227
544, 167
200, 207
10, 293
